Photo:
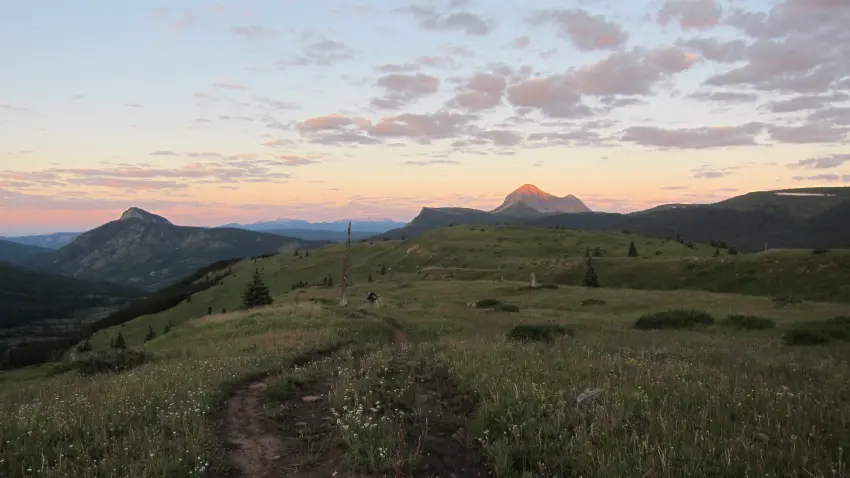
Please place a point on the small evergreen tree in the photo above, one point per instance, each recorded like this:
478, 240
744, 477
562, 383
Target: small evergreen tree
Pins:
295, 254
383, 269
330, 281
733, 251
306, 253
370, 277
717, 252
167, 328
257, 294
119, 342
590, 277
209, 310
151, 334
633, 249
223, 310
188, 299
325, 281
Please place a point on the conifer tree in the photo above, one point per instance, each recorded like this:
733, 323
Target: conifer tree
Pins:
119, 342
167, 328
257, 294
717, 252
383, 269
151, 334
330, 281
633, 249
590, 278
370, 277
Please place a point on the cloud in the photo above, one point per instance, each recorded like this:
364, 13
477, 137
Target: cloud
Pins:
698, 14
134, 105
832, 178
799, 46
721, 51
322, 52
822, 162
725, 96
333, 122
429, 18
808, 133
14, 109
163, 153
693, 138
230, 86
481, 91
806, 102
431, 162
254, 32
631, 73
708, 175
835, 115
587, 32
402, 89
421, 127
521, 42
577, 137
335, 130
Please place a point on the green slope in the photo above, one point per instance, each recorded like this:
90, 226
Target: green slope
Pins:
465, 253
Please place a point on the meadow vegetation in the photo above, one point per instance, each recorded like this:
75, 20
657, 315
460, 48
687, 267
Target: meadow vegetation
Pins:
568, 384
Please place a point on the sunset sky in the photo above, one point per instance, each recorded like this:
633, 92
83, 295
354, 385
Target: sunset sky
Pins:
211, 113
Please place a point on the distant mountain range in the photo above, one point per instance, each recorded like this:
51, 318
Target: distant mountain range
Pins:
311, 231
357, 226
794, 218
146, 251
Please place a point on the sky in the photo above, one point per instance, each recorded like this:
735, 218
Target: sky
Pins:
218, 112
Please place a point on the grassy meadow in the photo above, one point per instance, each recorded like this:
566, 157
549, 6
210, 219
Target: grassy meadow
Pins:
457, 396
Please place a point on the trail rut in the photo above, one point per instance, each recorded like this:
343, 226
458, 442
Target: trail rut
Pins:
257, 448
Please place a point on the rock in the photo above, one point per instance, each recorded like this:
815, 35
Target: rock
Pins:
588, 396
311, 399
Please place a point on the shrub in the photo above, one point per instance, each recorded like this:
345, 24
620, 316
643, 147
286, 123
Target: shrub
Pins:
587, 302
747, 322
487, 303
112, 361
784, 300
820, 250
538, 332
674, 319
507, 308
819, 331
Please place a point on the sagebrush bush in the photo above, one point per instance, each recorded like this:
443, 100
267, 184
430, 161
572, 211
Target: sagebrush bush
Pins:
783, 300
487, 303
112, 361
674, 319
588, 302
747, 322
507, 308
819, 331
539, 332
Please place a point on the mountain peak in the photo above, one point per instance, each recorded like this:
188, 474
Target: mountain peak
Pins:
530, 189
536, 199
141, 214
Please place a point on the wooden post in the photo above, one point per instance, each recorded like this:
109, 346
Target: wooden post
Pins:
343, 301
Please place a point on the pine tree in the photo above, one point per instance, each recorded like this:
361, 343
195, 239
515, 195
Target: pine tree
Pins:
383, 269
257, 294
151, 334
370, 277
330, 281
717, 252
167, 328
590, 278
633, 249
119, 342
209, 310
306, 253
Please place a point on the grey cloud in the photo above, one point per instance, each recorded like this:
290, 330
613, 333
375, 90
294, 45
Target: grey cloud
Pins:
693, 138
587, 32
823, 162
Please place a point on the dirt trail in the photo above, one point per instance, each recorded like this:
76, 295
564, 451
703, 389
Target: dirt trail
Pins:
255, 444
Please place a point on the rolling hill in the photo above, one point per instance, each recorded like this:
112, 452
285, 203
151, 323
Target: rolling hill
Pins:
16, 253
147, 251
796, 218
48, 241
